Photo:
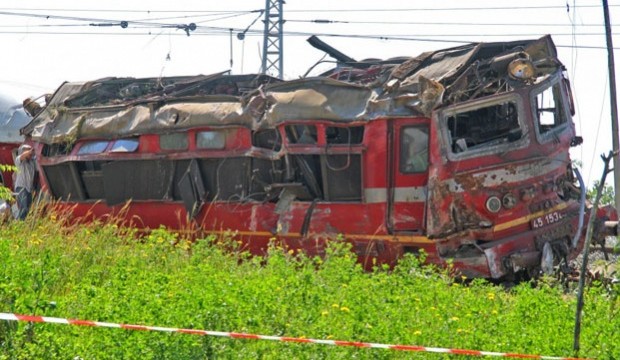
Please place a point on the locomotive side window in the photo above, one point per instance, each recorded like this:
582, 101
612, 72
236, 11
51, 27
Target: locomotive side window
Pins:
484, 127
267, 139
93, 147
301, 134
125, 145
351, 135
57, 149
174, 141
331, 171
210, 139
550, 112
414, 149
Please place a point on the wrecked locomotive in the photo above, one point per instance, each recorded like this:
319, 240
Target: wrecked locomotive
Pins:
461, 152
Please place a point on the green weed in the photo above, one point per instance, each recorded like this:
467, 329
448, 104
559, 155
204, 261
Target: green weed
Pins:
103, 272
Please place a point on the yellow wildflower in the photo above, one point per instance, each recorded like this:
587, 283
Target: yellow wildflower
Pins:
417, 332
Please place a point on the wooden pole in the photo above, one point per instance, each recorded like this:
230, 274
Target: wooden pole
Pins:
612, 103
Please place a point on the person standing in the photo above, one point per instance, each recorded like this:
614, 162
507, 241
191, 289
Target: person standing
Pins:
24, 181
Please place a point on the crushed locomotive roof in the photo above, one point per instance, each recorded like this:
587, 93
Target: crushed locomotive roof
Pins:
352, 92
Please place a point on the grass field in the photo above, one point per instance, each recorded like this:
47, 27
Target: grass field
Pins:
100, 272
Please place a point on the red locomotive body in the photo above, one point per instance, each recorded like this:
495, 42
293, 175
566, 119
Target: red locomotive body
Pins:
462, 153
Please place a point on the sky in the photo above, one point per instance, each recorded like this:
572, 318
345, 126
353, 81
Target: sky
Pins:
47, 43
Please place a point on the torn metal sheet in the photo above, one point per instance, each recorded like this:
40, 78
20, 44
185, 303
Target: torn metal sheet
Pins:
124, 107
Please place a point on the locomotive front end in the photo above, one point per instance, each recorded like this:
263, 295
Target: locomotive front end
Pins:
504, 197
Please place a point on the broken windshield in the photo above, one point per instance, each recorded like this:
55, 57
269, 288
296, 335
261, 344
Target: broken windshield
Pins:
550, 112
483, 127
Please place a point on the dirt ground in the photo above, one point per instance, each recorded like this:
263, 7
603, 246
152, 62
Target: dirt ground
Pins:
597, 265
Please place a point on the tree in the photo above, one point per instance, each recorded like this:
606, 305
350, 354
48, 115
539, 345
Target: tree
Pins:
607, 197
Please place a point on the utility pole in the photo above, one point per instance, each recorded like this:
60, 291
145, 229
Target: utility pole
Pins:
273, 56
613, 104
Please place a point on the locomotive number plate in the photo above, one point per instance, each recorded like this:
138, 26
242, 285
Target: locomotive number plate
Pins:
546, 219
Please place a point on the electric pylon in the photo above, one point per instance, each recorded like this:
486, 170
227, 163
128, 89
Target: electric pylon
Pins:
273, 56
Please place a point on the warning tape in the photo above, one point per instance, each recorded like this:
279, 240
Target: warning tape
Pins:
54, 320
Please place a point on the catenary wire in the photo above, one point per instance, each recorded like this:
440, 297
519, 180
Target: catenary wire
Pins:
328, 21
318, 10
227, 33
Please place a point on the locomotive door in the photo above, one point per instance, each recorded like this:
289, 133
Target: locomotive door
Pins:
408, 171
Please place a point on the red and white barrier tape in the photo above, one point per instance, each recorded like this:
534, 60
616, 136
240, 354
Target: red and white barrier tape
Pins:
53, 320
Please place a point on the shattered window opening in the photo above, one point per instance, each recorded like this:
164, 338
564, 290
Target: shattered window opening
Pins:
307, 171
550, 113
125, 146
326, 177
484, 127
210, 139
93, 147
92, 179
267, 139
342, 177
301, 134
414, 149
63, 182
57, 149
173, 141
136, 180
352, 135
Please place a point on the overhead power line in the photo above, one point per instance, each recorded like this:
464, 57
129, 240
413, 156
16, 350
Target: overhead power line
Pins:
451, 9
328, 21
213, 30
151, 22
81, 19
215, 12
225, 32
220, 16
144, 22
312, 10
130, 26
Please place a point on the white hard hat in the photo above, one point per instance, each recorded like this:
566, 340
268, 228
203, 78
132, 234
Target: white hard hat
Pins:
23, 147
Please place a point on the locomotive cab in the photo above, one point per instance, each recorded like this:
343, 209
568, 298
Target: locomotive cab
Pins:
503, 185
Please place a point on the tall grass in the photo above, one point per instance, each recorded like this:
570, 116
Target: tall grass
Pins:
104, 272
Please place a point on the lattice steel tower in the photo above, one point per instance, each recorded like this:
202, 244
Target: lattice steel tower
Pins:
272, 39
